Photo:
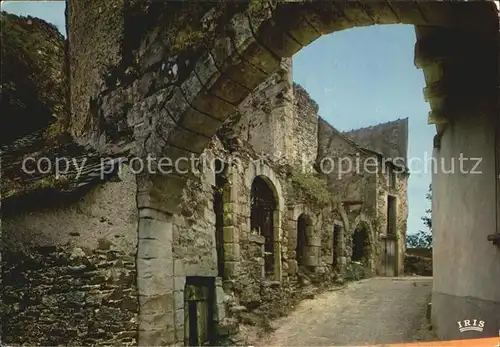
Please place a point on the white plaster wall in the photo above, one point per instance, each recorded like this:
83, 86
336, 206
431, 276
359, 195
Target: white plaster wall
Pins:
464, 213
108, 212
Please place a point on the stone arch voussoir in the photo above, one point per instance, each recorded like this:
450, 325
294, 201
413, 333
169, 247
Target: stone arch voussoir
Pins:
229, 70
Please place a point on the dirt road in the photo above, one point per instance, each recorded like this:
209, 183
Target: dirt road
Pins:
372, 311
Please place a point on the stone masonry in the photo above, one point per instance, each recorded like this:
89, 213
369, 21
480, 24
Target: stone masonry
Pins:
166, 90
82, 257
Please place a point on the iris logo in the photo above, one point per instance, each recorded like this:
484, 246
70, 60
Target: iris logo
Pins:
470, 325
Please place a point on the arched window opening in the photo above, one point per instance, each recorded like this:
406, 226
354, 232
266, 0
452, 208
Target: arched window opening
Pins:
263, 206
360, 244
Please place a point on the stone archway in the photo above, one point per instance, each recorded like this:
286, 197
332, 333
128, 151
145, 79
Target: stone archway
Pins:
177, 116
303, 248
363, 241
361, 244
200, 94
262, 210
264, 187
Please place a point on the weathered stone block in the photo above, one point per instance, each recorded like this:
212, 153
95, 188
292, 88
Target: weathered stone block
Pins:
156, 304
156, 285
153, 229
179, 321
232, 269
161, 321
179, 282
231, 234
179, 270
199, 122
153, 249
178, 299
232, 252
157, 267
212, 105
157, 337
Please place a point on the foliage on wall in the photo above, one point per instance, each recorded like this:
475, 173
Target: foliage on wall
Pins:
311, 185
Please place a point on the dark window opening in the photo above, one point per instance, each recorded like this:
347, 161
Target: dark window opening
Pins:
199, 297
360, 242
391, 215
335, 245
193, 324
263, 207
218, 201
302, 226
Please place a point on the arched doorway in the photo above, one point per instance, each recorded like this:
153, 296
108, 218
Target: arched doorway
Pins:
262, 219
304, 225
361, 244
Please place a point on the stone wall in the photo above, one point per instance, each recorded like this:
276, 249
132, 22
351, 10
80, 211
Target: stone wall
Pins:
139, 50
305, 127
418, 261
363, 183
279, 119
202, 82
69, 273
338, 159
266, 117
390, 139
54, 297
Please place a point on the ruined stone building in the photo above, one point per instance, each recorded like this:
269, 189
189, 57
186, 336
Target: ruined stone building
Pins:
111, 254
263, 222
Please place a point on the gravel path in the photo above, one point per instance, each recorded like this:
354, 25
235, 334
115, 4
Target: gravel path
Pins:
372, 311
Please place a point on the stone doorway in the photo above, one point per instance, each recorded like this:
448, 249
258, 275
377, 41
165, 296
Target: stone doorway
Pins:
263, 209
360, 244
304, 224
389, 257
199, 299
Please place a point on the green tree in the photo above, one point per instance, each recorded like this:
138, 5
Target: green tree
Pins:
423, 239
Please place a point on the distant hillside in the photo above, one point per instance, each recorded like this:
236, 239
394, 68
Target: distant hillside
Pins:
34, 86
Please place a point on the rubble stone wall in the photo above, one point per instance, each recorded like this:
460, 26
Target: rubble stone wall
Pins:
69, 273
266, 115
338, 158
305, 127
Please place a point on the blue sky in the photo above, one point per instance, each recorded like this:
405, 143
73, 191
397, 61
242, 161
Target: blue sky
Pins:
365, 76
358, 77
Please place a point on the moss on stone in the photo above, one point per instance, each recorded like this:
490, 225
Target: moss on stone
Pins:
311, 185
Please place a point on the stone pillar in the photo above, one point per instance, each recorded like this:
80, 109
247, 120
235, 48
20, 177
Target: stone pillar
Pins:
292, 242
155, 281
179, 314
155, 264
230, 230
313, 248
278, 268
